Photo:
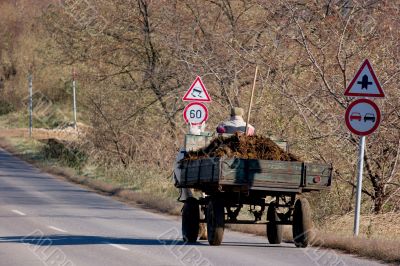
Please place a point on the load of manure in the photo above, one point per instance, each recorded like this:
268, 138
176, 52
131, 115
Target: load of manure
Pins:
244, 147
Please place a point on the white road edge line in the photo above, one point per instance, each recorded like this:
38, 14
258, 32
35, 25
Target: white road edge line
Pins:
18, 212
57, 229
117, 246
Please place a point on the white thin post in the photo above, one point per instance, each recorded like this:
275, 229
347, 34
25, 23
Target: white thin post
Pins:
74, 96
359, 186
30, 104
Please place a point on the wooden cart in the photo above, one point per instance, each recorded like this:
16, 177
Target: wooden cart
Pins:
229, 184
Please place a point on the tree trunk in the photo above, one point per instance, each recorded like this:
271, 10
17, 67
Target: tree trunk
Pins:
379, 199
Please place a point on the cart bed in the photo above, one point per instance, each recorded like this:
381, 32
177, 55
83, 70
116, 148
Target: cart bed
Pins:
253, 174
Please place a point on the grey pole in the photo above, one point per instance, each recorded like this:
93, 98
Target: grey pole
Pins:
359, 186
30, 104
74, 96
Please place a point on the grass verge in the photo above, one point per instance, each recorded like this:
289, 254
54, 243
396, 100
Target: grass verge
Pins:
118, 183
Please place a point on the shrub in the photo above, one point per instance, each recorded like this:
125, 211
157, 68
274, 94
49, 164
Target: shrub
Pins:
6, 107
70, 156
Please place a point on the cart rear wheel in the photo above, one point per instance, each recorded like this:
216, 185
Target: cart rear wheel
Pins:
274, 230
215, 222
302, 223
190, 220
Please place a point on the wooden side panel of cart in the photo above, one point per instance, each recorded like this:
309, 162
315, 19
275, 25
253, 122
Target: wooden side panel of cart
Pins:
255, 174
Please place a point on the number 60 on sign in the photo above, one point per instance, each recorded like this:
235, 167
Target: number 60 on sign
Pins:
195, 113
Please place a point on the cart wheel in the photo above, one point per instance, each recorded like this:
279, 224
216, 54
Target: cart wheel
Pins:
302, 223
215, 222
274, 230
190, 220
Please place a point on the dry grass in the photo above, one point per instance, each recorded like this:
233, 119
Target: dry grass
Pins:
7, 146
39, 133
385, 250
371, 226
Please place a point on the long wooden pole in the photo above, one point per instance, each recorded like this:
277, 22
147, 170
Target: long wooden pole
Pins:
251, 101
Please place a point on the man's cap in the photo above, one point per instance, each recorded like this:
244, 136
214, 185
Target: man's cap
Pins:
237, 111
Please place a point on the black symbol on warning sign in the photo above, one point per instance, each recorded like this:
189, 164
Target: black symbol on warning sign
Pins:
364, 82
198, 91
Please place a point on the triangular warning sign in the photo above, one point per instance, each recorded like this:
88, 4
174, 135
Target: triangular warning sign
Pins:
365, 83
197, 92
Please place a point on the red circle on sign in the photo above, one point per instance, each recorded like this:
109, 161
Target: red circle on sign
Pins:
199, 104
347, 117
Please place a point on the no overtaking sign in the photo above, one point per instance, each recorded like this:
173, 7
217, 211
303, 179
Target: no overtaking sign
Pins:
363, 117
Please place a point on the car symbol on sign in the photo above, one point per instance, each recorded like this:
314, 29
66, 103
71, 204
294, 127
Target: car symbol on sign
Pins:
369, 117
355, 116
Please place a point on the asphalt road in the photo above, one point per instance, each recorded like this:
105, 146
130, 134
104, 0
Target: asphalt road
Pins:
47, 221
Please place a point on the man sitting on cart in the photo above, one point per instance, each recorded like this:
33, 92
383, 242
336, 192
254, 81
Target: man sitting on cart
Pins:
235, 123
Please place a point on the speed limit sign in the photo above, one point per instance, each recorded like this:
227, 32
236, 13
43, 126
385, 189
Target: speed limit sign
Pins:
195, 113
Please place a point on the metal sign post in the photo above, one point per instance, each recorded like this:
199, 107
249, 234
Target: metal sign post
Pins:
359, 186
74, 96
30, 104
362, 118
